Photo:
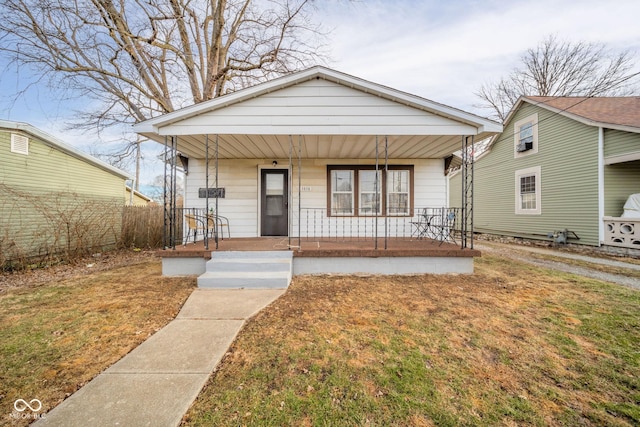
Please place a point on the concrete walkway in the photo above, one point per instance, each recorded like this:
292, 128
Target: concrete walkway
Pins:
157, 382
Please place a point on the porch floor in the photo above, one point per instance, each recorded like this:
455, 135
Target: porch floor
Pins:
325, 248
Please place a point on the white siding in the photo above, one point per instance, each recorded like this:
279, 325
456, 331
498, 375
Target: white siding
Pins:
240, 178
318, 107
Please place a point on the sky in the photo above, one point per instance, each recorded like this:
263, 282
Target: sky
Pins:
442, 50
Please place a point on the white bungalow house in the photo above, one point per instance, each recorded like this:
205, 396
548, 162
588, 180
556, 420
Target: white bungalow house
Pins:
325, 164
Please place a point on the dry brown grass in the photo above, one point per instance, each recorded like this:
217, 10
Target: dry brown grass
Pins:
510, 345
58, 335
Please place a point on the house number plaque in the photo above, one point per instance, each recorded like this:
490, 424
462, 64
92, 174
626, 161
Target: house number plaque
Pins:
213, 193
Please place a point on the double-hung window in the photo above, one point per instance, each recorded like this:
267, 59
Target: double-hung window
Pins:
398, 192
360, 191
525, 136
342, 189
369, 191
528, 191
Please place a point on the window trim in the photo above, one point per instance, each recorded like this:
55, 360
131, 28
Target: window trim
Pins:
533, 119
383, 189
536, 172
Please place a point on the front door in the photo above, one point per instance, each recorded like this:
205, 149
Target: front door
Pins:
274, 217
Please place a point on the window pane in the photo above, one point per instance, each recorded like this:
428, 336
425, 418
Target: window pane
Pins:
528, 201
342, 204
342, 192
369, 198
275, 205
368, 204
398, 204
528, 184
342, 180
275, 184
528, 192
526, 132
368, 181
398, 181
398, 192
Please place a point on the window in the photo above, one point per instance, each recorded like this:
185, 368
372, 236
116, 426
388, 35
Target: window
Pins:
398, 195
525, 136
528, 191
19, 144
342, 192
369, 192
359, 191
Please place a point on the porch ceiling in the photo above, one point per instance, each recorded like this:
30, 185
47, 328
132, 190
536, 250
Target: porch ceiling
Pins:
321, 146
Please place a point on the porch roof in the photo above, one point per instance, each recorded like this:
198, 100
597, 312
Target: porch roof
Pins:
331, 115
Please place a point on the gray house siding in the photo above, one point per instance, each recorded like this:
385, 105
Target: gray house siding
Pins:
568, 159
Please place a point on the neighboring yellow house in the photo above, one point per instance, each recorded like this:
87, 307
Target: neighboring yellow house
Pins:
54, 198
137, 198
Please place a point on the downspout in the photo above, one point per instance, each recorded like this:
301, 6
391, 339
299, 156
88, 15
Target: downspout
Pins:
600, 186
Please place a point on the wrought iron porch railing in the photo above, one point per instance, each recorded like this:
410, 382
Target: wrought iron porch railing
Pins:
310, 224
425, 223
196, 224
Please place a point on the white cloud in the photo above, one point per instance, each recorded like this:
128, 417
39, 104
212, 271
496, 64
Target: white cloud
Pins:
445, 50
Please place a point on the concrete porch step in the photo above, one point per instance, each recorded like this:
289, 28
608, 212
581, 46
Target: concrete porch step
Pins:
248, 269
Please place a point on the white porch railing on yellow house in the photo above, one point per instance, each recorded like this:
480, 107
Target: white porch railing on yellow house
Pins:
622, 232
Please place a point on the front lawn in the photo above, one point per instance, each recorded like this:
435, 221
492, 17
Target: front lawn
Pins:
510, 345
60, 333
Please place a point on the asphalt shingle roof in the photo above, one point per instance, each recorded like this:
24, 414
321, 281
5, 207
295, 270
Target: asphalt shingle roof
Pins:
620, 111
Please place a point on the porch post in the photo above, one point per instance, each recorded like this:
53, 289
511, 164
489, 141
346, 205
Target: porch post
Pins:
300, 138
289, 189
217, 194
467, 191
169, 198
206, 200
376, 204
165, 213
386, 171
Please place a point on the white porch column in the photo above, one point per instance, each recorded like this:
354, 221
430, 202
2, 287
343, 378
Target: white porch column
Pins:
600, 186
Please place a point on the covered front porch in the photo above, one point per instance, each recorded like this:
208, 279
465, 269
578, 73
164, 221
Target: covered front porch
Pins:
325, 165
334, 255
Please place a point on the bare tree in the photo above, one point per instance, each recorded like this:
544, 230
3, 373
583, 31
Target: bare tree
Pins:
560, 68
142, 58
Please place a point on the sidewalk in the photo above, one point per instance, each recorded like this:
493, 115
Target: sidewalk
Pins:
157, 382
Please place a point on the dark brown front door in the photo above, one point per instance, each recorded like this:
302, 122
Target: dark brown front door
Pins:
274, 203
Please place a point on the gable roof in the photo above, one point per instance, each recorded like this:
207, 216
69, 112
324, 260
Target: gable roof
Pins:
52, 141
336, 114
622, 113
319, 72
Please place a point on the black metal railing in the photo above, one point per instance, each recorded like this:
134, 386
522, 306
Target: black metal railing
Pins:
202, 225
440, 223
314, 224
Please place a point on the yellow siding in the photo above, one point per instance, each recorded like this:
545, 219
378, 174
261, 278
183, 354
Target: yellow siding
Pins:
54, 202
